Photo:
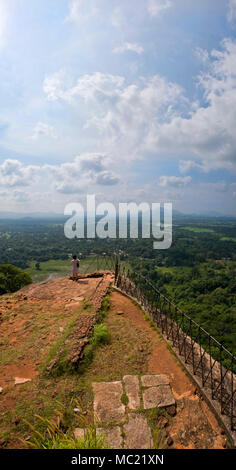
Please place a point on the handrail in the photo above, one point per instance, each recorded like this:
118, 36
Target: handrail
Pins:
206, 355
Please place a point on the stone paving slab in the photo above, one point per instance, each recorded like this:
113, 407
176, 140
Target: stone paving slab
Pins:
108, 407
158, 397
137, 433
112, 436
132, 391
154, 380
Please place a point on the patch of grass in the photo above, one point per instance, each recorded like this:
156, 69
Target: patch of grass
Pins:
154, 417
227, 239
54, 437
124, 399
100, 335
105, 306
55, 349
198, 229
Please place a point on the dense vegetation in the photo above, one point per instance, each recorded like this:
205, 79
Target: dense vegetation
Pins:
25, 240
12, 279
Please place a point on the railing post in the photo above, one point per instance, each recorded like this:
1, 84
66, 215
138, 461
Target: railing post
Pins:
116, 268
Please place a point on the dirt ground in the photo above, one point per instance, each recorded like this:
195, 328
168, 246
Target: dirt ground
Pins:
194, 426
35, 318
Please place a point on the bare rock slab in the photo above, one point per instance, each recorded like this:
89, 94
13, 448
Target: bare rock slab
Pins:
108, 407
112, 436
19, 380
158, 397
154, 380
137, 433
132, 391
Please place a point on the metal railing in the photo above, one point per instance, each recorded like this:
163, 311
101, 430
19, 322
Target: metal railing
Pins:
208, 359
97, 262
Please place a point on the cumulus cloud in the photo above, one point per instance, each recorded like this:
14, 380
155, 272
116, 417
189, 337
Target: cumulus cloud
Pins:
208, 131
128, 46
13, 173
185, 166
153, 115
124, 114
175, 181
72, 177
96, 86
156, 7
84, 170
107, 178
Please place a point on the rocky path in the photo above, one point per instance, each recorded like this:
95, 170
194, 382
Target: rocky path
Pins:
194, 425
119, 409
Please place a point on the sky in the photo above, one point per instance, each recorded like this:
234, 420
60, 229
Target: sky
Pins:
130, 101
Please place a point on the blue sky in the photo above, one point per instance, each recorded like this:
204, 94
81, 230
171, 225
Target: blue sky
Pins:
126, 100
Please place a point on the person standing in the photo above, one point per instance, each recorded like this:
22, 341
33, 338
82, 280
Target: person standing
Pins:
75, 266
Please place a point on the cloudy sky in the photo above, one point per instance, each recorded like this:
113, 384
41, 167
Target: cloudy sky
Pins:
127, 100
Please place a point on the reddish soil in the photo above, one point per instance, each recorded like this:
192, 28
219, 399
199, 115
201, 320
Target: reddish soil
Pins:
194, 426
47, 306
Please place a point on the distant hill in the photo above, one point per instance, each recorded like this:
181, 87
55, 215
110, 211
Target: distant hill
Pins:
52, 215
33, 215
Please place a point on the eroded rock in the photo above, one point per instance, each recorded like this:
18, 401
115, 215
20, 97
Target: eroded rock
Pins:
112, 436
158, 397
108, 407
137, 433
132, 391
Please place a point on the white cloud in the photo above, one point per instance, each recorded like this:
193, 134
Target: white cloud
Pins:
202, 54
128, 46
153, 115
231, 15
156, 7
175, 181
209, 131
76, 176
185, 166
96, 86
124, 114
13, 173
43, 130
84, 170
107, 178
81, 9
